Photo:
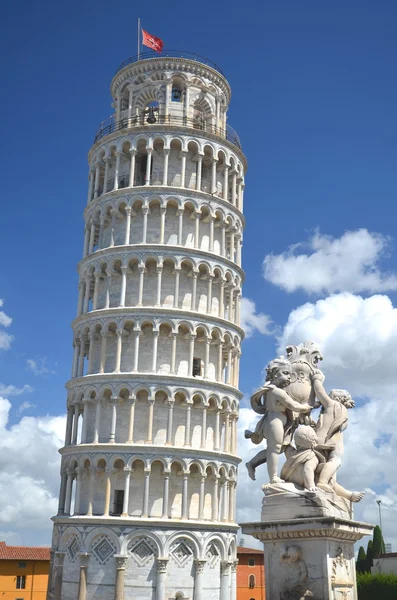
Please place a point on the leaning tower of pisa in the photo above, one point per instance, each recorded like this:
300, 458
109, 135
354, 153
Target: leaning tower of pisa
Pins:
149, 466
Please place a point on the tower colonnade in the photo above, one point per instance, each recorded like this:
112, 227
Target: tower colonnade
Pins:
149, 466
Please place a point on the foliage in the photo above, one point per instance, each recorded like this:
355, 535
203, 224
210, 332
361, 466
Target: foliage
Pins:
361, 561
376, 587
369, 559
379, 544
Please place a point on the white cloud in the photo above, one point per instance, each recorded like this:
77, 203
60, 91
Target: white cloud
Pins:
358, 339
12, 390
252, 321
27, 405
29, 476
5, 321
349, 263
38, 366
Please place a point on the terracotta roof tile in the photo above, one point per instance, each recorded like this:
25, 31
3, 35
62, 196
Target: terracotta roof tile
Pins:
244, 550
23, 552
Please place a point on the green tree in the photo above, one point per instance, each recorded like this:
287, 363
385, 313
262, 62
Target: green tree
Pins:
361, 560
378, 547
369, 561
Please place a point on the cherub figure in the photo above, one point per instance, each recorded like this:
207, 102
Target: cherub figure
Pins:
295, 575
331, 424
275, 426
302, 462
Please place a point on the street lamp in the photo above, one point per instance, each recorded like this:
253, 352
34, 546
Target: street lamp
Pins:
379, 502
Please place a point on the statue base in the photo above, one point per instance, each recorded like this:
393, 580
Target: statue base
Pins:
286, 501
309, 557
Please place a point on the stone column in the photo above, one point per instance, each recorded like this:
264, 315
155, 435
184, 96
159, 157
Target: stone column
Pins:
116, 171
154, 356
101, 226
69, 425
86, 241
169, 423
176, 292
96, 183
199, 579
159, 270
174, 337
234, 187
209, 295
114, 401
161, 577
84, 558
68, 494
221, 298
202, 497
211, 240
213, 176
124, 269
197, 229
58, 575
179, 213
137, 333
215, 500
217, 444
187, 426
223, 238
230, 487
127, 475
79, 478
104, 336
106, 178
166, 153
145, 507
183, 168
97, 277
108, 288
132, 167
131, 422
149, 439
166, 494
108, 492
194, 291
90, 185
76, 353
75, 423
204, 427
192, 337
121, 562
97, 420
227, 432
233, 583
91, 491
85, 420
163, 212
199, 170
220, 362
87, 294
119, 347
148, 165
141, 269
62, 494
225, 580
184, 496
226, 183
128, 211
145, 212
207, 356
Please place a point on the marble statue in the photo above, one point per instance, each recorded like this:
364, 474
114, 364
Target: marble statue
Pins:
314, 451
277, 408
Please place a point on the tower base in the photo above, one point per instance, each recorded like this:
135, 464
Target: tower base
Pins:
309, 557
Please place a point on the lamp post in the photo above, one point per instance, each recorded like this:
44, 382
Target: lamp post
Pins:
379, 502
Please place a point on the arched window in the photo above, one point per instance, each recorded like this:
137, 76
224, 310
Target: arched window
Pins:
251, 582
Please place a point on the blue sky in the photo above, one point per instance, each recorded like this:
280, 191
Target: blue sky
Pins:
314, 99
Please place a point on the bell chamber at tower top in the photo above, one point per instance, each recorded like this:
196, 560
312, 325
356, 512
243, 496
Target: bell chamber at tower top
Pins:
168, 129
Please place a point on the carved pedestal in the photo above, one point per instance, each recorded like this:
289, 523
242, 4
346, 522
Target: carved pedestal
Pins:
309, 557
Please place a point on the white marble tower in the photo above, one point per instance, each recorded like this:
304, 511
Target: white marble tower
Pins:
149, 466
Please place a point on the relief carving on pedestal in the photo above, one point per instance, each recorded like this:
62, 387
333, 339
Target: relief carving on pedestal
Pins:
295, 578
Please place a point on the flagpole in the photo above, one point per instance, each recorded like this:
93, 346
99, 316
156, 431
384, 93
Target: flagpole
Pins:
139, 38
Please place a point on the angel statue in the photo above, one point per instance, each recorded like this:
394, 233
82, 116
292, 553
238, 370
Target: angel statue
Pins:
277, 422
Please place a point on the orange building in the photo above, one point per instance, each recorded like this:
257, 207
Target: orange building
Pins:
250, 574
23, 572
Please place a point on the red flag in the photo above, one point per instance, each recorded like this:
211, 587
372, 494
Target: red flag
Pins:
152, 41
